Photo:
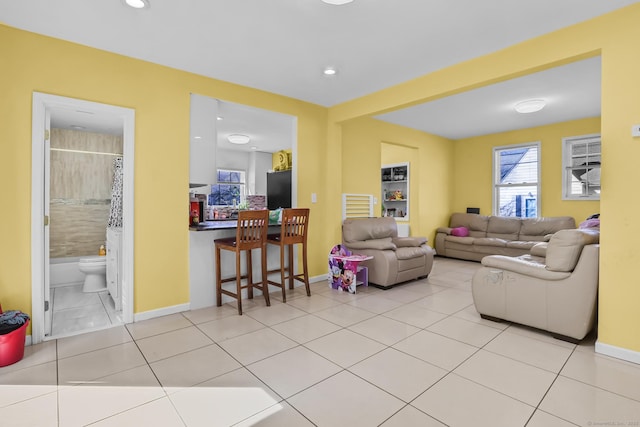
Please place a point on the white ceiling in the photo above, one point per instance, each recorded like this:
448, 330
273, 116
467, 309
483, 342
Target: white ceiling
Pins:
282, 46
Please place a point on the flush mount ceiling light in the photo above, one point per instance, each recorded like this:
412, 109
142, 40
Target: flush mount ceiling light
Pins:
330, 71
337, 2
236, 138
137, 4
530, 106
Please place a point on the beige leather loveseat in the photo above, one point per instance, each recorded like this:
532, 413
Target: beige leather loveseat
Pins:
395, 259
553, 288
495, 235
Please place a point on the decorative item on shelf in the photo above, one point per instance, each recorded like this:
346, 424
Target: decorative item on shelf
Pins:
397, 195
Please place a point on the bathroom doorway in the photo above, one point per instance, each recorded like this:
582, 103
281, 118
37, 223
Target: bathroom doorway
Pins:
79, 147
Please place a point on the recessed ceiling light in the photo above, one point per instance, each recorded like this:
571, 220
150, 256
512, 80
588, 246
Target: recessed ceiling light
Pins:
330, 71
137, 4
220, 118
238, 139
337, 2
530, 106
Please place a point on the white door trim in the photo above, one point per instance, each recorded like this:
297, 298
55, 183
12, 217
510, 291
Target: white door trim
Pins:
41, 104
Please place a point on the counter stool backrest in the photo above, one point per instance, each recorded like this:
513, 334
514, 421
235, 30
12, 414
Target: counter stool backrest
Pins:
294, 226
251, 230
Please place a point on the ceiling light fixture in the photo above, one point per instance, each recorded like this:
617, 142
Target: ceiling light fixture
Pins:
530, 106
330, 71
337, 2
238, 139
137, 4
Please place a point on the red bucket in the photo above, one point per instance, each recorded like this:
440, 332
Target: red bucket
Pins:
12, 345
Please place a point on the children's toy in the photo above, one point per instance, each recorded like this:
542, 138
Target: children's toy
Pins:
343, 269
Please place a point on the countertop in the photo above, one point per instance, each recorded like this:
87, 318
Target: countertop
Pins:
221, 224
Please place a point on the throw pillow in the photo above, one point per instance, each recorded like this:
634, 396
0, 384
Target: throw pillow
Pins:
460, 231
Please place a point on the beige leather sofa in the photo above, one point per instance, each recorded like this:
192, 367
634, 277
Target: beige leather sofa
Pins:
494, 235
395, 259
554, 288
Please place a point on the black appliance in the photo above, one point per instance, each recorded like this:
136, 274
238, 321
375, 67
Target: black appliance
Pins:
279, 190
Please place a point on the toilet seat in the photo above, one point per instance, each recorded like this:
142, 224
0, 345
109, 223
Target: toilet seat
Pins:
93, 261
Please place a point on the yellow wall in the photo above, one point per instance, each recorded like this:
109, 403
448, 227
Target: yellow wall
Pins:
473, 181
160, 98
614, 36
430, 172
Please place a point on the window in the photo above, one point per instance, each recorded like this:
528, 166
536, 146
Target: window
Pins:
581, 167
516, 180
230, 189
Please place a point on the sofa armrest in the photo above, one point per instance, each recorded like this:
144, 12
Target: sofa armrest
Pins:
445, 230
377, 244
404, 242
523, 266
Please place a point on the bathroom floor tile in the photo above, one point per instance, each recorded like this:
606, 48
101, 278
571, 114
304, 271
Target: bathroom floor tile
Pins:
65, 297
78, 319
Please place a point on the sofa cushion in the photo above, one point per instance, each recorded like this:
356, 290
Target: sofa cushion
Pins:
518, 244
477, 224
359, 229
460, 240
535, 229
489, 241
523, 265
504, 227
378, 244
564, 248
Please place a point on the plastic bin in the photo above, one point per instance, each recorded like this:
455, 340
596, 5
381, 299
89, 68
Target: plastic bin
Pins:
12, 345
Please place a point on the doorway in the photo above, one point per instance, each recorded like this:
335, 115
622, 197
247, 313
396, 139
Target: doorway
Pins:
92, 117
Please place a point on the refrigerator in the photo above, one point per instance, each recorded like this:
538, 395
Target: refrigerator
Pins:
279, 190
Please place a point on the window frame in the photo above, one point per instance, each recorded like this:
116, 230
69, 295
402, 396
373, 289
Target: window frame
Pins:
242, 184
566, 165
495, 173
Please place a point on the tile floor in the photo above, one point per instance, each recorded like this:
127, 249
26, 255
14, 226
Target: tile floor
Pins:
416, 355
74, 310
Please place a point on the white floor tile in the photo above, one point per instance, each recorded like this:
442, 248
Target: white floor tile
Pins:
279, 415
436, 349
345, 400
344, 347
158, 412
306, 328
257, 345
384, 330
411, 417
464, 331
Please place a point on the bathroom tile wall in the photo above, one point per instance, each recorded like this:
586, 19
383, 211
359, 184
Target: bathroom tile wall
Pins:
80, 190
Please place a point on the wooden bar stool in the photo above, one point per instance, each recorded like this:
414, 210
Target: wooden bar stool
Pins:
293, 230
251, 233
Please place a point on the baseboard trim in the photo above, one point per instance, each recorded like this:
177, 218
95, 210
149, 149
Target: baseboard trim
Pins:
164, 311
320, 278
618, 352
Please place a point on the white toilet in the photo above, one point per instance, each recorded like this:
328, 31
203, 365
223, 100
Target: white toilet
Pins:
95, 270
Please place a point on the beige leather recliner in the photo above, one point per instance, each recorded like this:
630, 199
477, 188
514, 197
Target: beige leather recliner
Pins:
395, 259
554, 288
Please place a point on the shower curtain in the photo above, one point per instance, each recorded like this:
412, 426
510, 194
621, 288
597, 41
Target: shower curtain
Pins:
115, 211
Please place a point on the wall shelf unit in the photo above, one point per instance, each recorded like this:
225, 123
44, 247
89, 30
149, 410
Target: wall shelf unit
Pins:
395, 191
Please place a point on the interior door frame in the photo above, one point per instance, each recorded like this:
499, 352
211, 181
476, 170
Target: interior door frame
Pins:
43, 103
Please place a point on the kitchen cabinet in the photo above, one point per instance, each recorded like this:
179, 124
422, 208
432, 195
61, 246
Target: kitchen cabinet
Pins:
202, 140
395, 191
